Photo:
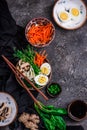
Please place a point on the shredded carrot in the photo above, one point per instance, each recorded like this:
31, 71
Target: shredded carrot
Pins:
40, 34
39, 59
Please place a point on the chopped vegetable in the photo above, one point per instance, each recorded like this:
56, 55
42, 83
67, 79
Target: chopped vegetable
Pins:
54, 89
39, 59
51, 116
40, 34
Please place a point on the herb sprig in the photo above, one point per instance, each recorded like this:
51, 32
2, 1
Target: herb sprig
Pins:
27, 55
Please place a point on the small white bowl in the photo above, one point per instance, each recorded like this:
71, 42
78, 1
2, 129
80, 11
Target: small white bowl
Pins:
67, 5
7, 101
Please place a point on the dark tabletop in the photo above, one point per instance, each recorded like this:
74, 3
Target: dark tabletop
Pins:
67, 53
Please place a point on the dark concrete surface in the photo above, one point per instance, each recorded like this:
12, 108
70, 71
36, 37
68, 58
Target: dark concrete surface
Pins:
67, 53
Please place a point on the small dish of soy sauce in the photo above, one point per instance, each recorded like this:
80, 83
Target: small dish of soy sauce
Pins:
77, 110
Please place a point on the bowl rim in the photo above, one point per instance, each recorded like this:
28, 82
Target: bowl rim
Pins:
73, 117
53, 96
70, 28
15, 105
38, 18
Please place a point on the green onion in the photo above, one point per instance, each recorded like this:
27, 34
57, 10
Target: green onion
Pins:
54, 89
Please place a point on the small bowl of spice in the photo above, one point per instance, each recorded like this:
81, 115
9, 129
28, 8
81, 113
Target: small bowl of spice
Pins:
53, 90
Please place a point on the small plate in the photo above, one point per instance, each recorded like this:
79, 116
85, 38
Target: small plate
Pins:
70, 20
10, 103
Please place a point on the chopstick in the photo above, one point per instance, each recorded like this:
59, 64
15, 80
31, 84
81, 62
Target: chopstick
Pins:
17, 72
45, 97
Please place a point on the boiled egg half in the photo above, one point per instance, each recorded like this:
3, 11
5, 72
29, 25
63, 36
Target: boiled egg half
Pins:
45, 68
64, 16
74, 12
41, 79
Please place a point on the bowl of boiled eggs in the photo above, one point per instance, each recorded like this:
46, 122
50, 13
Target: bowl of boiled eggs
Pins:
70, 14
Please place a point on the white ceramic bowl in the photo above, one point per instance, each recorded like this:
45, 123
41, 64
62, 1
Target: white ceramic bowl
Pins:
9, 105
74, 22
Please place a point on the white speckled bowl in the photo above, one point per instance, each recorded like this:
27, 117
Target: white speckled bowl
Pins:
66, 5
11, 103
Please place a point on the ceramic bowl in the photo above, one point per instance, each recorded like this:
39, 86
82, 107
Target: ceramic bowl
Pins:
53, 95
9, 106
77, 110
76, 14
41, 21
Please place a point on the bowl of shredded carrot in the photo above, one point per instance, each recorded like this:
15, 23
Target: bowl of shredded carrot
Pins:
40, 32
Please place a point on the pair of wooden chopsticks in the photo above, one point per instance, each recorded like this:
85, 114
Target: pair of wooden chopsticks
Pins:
18, 75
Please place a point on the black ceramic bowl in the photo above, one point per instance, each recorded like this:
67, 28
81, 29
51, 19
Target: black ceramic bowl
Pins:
77, 110
53, 90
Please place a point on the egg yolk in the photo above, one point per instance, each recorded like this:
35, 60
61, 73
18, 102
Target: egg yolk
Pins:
63, 16
42, 79
44, 70
75, 11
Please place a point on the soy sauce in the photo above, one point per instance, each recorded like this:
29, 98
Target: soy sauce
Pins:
78, 109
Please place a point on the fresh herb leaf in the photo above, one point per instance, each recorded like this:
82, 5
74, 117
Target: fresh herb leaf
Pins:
27, 55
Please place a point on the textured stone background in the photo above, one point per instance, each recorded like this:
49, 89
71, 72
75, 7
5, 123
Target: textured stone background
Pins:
67, 53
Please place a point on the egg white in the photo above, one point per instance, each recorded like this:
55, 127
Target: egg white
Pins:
48, 67
73, 16
36, 79
59, 15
